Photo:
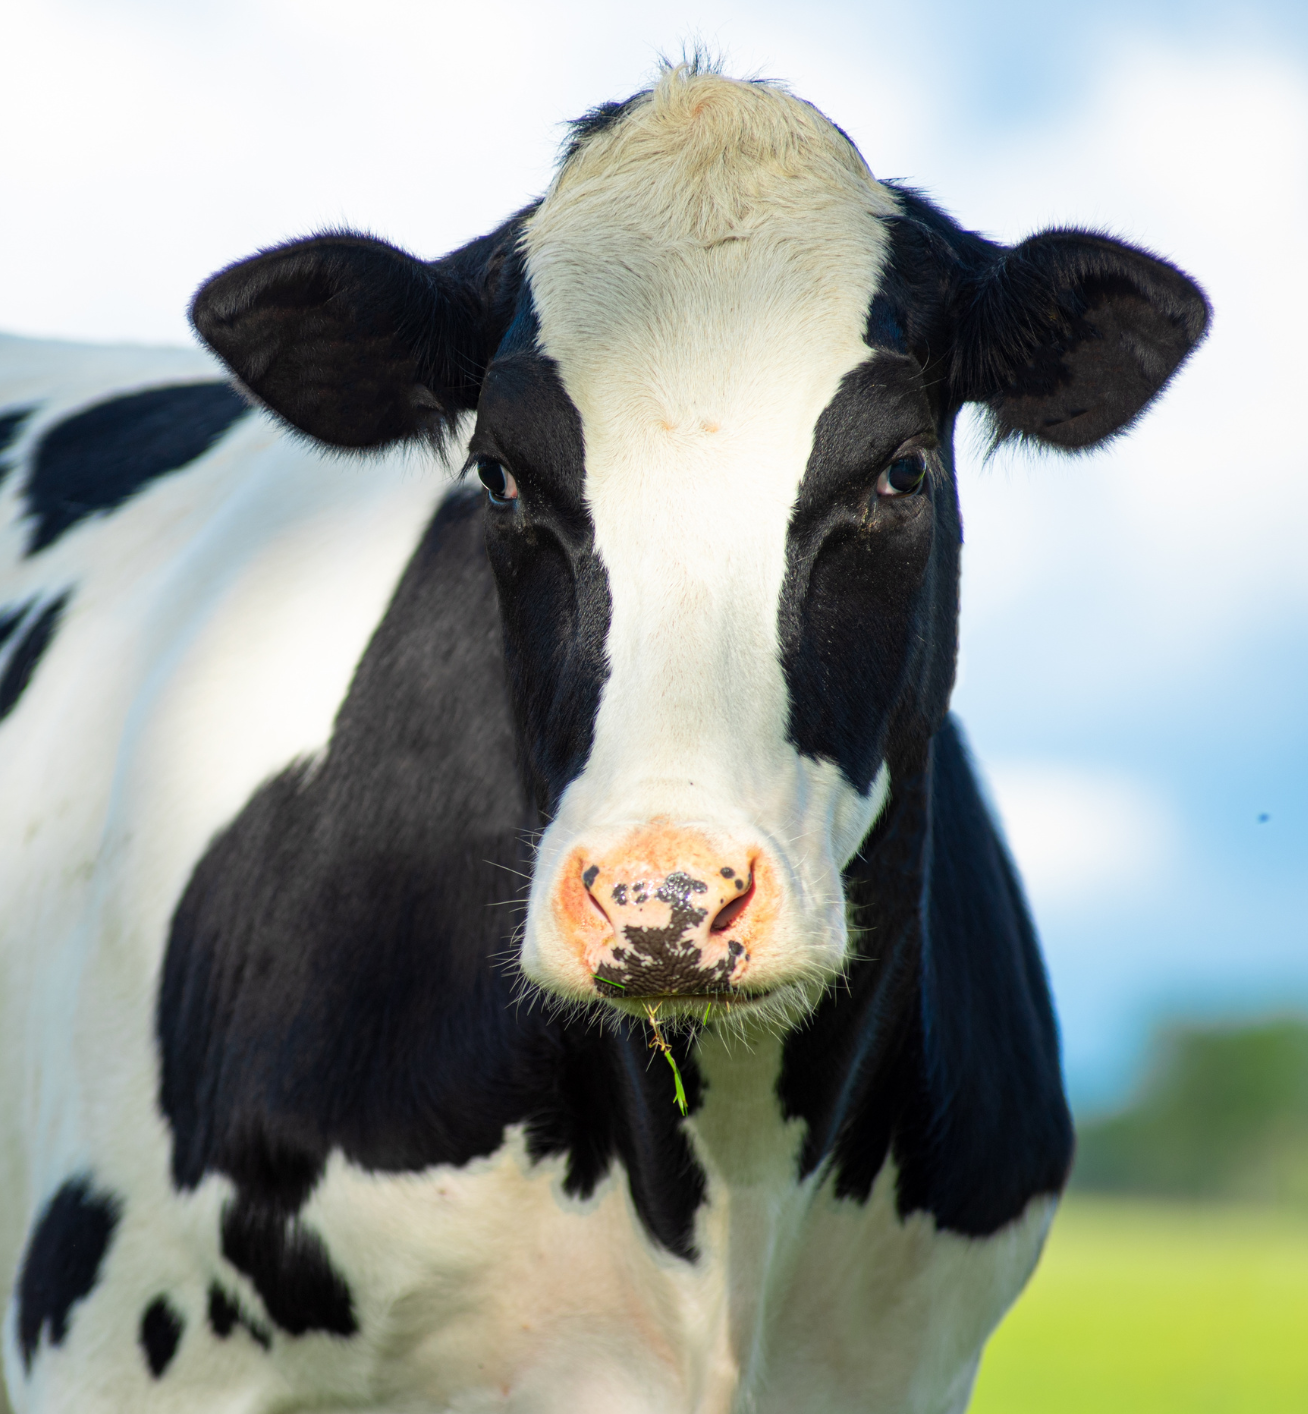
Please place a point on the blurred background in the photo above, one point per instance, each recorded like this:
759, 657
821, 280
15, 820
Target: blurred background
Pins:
1135, 632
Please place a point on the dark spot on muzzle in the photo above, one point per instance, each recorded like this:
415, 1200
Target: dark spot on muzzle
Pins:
665, 961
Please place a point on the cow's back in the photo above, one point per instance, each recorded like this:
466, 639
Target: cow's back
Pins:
184, 594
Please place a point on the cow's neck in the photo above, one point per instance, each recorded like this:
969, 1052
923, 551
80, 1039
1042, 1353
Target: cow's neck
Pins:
846, 1072
750, 1151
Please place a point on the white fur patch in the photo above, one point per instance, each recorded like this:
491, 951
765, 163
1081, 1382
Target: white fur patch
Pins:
214, 624
702, 274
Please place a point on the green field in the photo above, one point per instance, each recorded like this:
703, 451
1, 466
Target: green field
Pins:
1158, 1306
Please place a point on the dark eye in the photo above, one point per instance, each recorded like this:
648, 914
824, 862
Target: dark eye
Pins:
499, 482
903, 475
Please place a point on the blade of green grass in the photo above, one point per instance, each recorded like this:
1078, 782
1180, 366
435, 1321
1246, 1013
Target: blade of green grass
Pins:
661, 1045
676, 1081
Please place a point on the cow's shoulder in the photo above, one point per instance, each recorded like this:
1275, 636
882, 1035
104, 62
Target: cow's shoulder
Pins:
174, 645
166, 550
338, 974
342, 923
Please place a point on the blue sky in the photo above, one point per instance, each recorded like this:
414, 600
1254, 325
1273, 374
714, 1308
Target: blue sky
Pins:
1135, 634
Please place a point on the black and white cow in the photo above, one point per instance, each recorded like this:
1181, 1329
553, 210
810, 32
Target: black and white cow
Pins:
362, 828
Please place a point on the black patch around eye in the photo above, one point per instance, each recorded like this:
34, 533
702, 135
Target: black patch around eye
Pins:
850, 615
100, 458
161, 1333
62, 1262
552, 584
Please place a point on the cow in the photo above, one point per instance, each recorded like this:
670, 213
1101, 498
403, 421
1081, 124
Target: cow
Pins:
497, 912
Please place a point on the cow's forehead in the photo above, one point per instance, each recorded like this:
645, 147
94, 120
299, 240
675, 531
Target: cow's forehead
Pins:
717, 238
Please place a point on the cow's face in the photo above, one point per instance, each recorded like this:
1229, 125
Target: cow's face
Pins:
715, 373
700, 478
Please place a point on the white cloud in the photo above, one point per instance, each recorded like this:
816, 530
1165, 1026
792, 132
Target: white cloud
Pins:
1162, 553
1077, 833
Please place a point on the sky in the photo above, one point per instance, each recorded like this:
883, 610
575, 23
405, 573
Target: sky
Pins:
1134, 672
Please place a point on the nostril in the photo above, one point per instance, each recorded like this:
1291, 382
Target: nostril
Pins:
728, 914
588, 878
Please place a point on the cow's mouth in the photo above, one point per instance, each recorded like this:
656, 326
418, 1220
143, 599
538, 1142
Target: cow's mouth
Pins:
720, 1003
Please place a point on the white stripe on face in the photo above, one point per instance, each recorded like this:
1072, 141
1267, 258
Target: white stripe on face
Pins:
702, 274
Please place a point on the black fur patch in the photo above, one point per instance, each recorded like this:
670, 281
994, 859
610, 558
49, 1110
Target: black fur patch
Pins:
62, 1262
11, 424
553, 587
27, 653
841, 1072
225, 1315
942, 1046
609, 1096
289, 1266
334, 974
11, 618
996, 1128
856, 622
98, 459
160, 1335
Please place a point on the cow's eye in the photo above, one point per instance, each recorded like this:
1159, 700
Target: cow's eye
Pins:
499, 482
903, 475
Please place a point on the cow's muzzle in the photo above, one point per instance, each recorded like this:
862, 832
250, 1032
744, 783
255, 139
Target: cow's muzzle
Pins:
667, 914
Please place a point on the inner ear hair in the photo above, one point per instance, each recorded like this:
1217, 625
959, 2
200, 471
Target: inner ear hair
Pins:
1067, 337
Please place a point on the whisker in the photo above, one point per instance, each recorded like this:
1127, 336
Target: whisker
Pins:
508, 869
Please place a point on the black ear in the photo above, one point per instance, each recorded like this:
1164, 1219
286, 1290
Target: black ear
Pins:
357, 343
1070, 335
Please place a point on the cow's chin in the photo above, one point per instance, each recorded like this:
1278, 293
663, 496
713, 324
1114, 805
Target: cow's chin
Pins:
777, 1009
778, 993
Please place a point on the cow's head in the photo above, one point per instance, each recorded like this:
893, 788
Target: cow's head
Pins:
715, 374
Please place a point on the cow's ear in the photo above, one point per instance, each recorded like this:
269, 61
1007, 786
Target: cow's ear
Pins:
1069, 336
350, 340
